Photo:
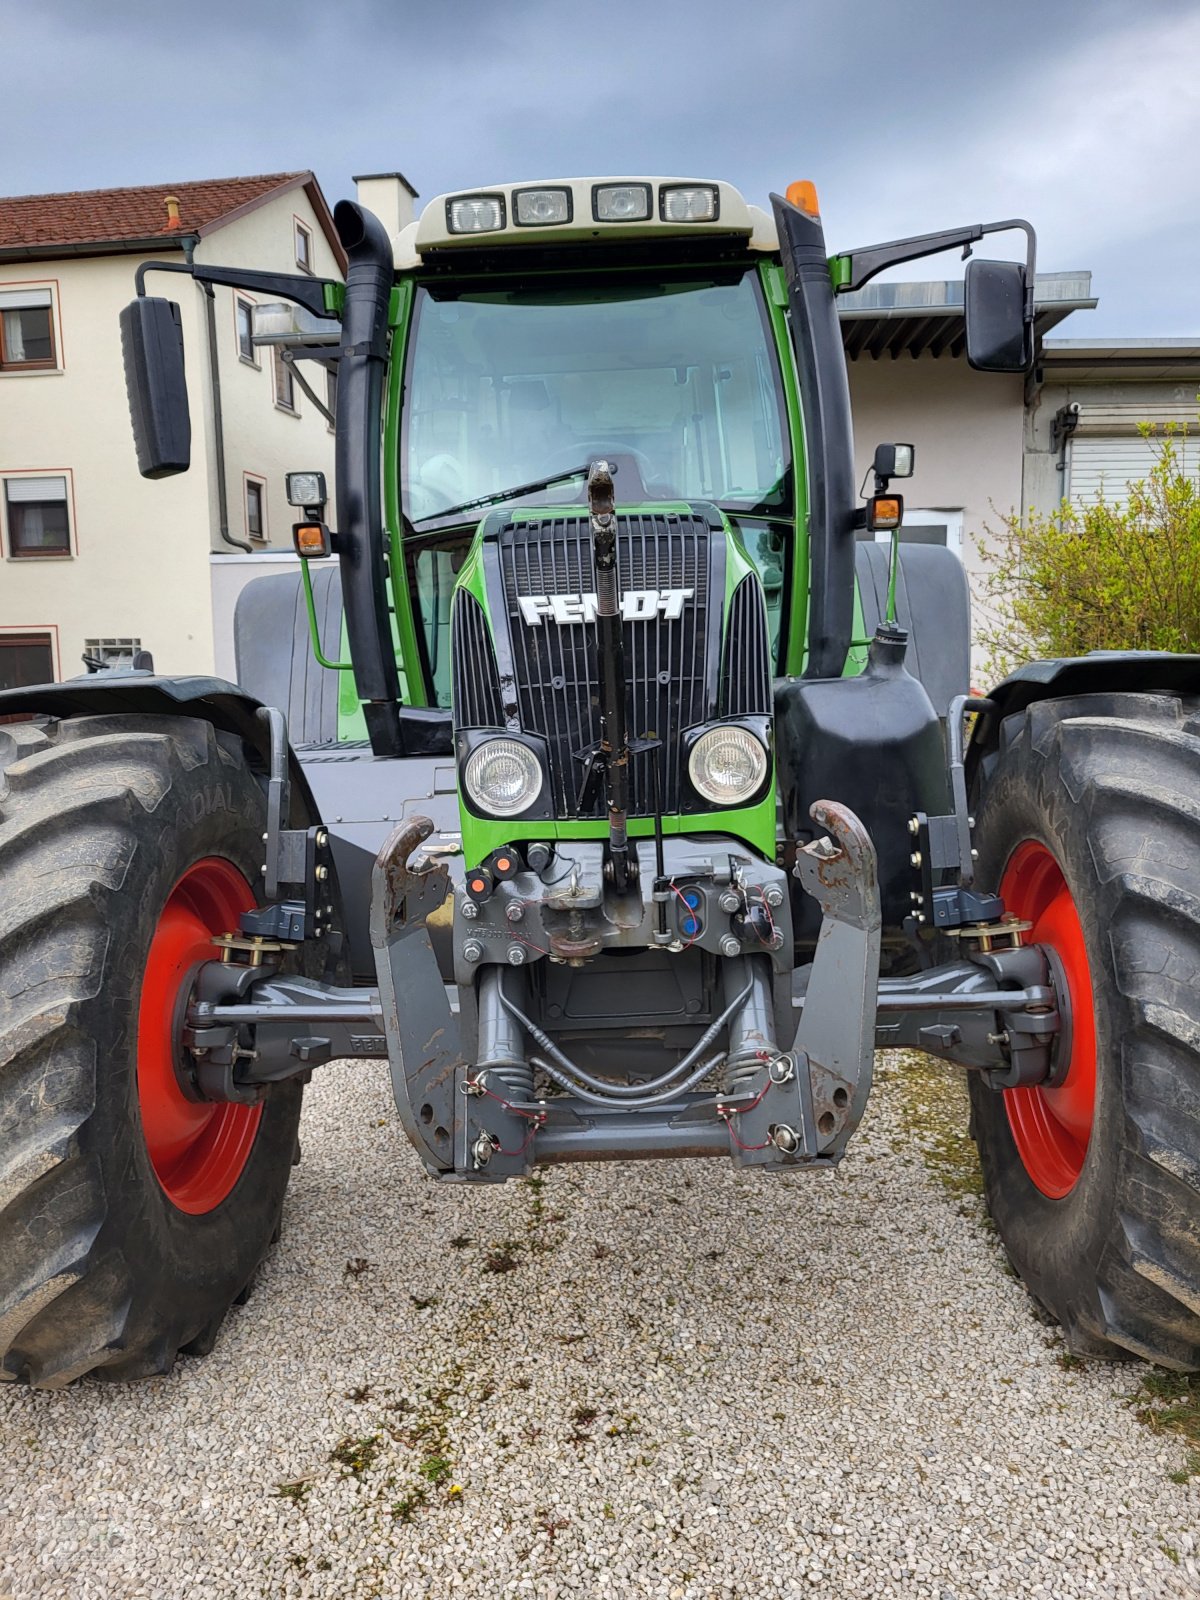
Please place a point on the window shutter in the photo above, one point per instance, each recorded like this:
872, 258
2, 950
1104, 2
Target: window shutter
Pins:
25, 489
22, 299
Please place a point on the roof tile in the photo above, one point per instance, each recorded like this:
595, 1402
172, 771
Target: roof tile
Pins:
110, 216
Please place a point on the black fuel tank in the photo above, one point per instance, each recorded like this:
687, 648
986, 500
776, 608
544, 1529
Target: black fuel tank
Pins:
873, 743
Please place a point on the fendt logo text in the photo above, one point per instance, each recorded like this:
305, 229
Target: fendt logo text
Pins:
637, 605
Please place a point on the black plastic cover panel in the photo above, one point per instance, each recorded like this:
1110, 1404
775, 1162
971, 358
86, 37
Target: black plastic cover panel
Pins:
152, 347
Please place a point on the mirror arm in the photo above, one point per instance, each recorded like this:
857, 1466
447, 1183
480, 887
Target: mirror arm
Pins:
296, 286
289, 360
864, 264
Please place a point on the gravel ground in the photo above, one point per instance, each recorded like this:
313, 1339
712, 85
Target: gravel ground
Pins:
666, 1380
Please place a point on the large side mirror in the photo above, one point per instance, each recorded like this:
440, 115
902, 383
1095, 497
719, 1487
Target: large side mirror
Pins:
998, 336
152, 347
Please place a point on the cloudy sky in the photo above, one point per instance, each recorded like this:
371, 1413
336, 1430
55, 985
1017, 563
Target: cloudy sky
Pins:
1083, 116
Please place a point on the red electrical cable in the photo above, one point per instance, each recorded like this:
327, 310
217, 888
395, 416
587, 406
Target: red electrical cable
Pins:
770, 919
691, 914
726, 1115
532, 1134
537, 1118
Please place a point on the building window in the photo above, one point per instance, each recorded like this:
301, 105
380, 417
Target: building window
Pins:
37, 517
26, 329
244, 312
331, 395
256, 509
285, 384
112, 652
303, 248
26, 659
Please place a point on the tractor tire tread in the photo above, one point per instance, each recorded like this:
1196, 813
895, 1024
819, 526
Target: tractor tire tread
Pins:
1128, 765
78, 800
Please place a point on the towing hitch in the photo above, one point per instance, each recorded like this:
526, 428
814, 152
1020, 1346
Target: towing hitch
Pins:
480, 1117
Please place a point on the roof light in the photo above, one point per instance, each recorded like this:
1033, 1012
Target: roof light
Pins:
284, 322
621, 202
803, 195
695, 202
475, 213
540, 208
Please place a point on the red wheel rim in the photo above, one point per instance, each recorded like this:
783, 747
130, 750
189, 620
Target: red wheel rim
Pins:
198, 1150
1052, 1126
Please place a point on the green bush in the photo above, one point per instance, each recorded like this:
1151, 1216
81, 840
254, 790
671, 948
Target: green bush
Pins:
1109, 576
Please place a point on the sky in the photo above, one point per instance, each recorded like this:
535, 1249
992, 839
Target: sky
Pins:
909, 115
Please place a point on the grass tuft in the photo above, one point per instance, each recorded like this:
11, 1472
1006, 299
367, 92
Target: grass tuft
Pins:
1169, 1402
935, 1110
357, 1455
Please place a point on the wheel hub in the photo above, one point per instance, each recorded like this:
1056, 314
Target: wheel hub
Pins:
198, 1149
1051, 1123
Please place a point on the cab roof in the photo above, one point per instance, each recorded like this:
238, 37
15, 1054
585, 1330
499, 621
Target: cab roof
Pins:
579, 207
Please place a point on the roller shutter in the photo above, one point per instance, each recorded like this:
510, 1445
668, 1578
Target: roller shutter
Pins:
1100, 468
1106, 452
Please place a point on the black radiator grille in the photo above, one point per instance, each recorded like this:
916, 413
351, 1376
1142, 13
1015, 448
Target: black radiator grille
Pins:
746, 681
476, 685
668, 662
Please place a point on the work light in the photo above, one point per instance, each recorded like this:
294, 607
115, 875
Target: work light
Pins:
727, 765
306, 488
475, 213
693, 202
540, 208
503, 777
282, 322
621, 202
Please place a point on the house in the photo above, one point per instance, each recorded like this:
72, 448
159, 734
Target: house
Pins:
1084, 434
97, 560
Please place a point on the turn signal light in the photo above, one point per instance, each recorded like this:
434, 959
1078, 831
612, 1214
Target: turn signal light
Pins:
803, 195
312, 540
884, 512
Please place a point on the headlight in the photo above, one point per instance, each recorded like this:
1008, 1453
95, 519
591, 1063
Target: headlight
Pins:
727, 765
502, 777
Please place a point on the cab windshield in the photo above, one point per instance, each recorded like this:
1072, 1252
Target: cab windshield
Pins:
673, 379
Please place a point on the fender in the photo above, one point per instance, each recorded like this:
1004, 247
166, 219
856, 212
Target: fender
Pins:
228, 708
1100, 672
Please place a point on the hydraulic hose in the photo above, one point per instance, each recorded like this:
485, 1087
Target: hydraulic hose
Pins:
644, 1104
630, 1095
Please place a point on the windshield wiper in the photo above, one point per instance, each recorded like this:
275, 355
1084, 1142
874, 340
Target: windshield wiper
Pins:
499, 495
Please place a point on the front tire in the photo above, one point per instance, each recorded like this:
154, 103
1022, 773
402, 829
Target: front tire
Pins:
1089, 824
131, 1216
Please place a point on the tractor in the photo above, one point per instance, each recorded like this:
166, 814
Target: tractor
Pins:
608, 769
